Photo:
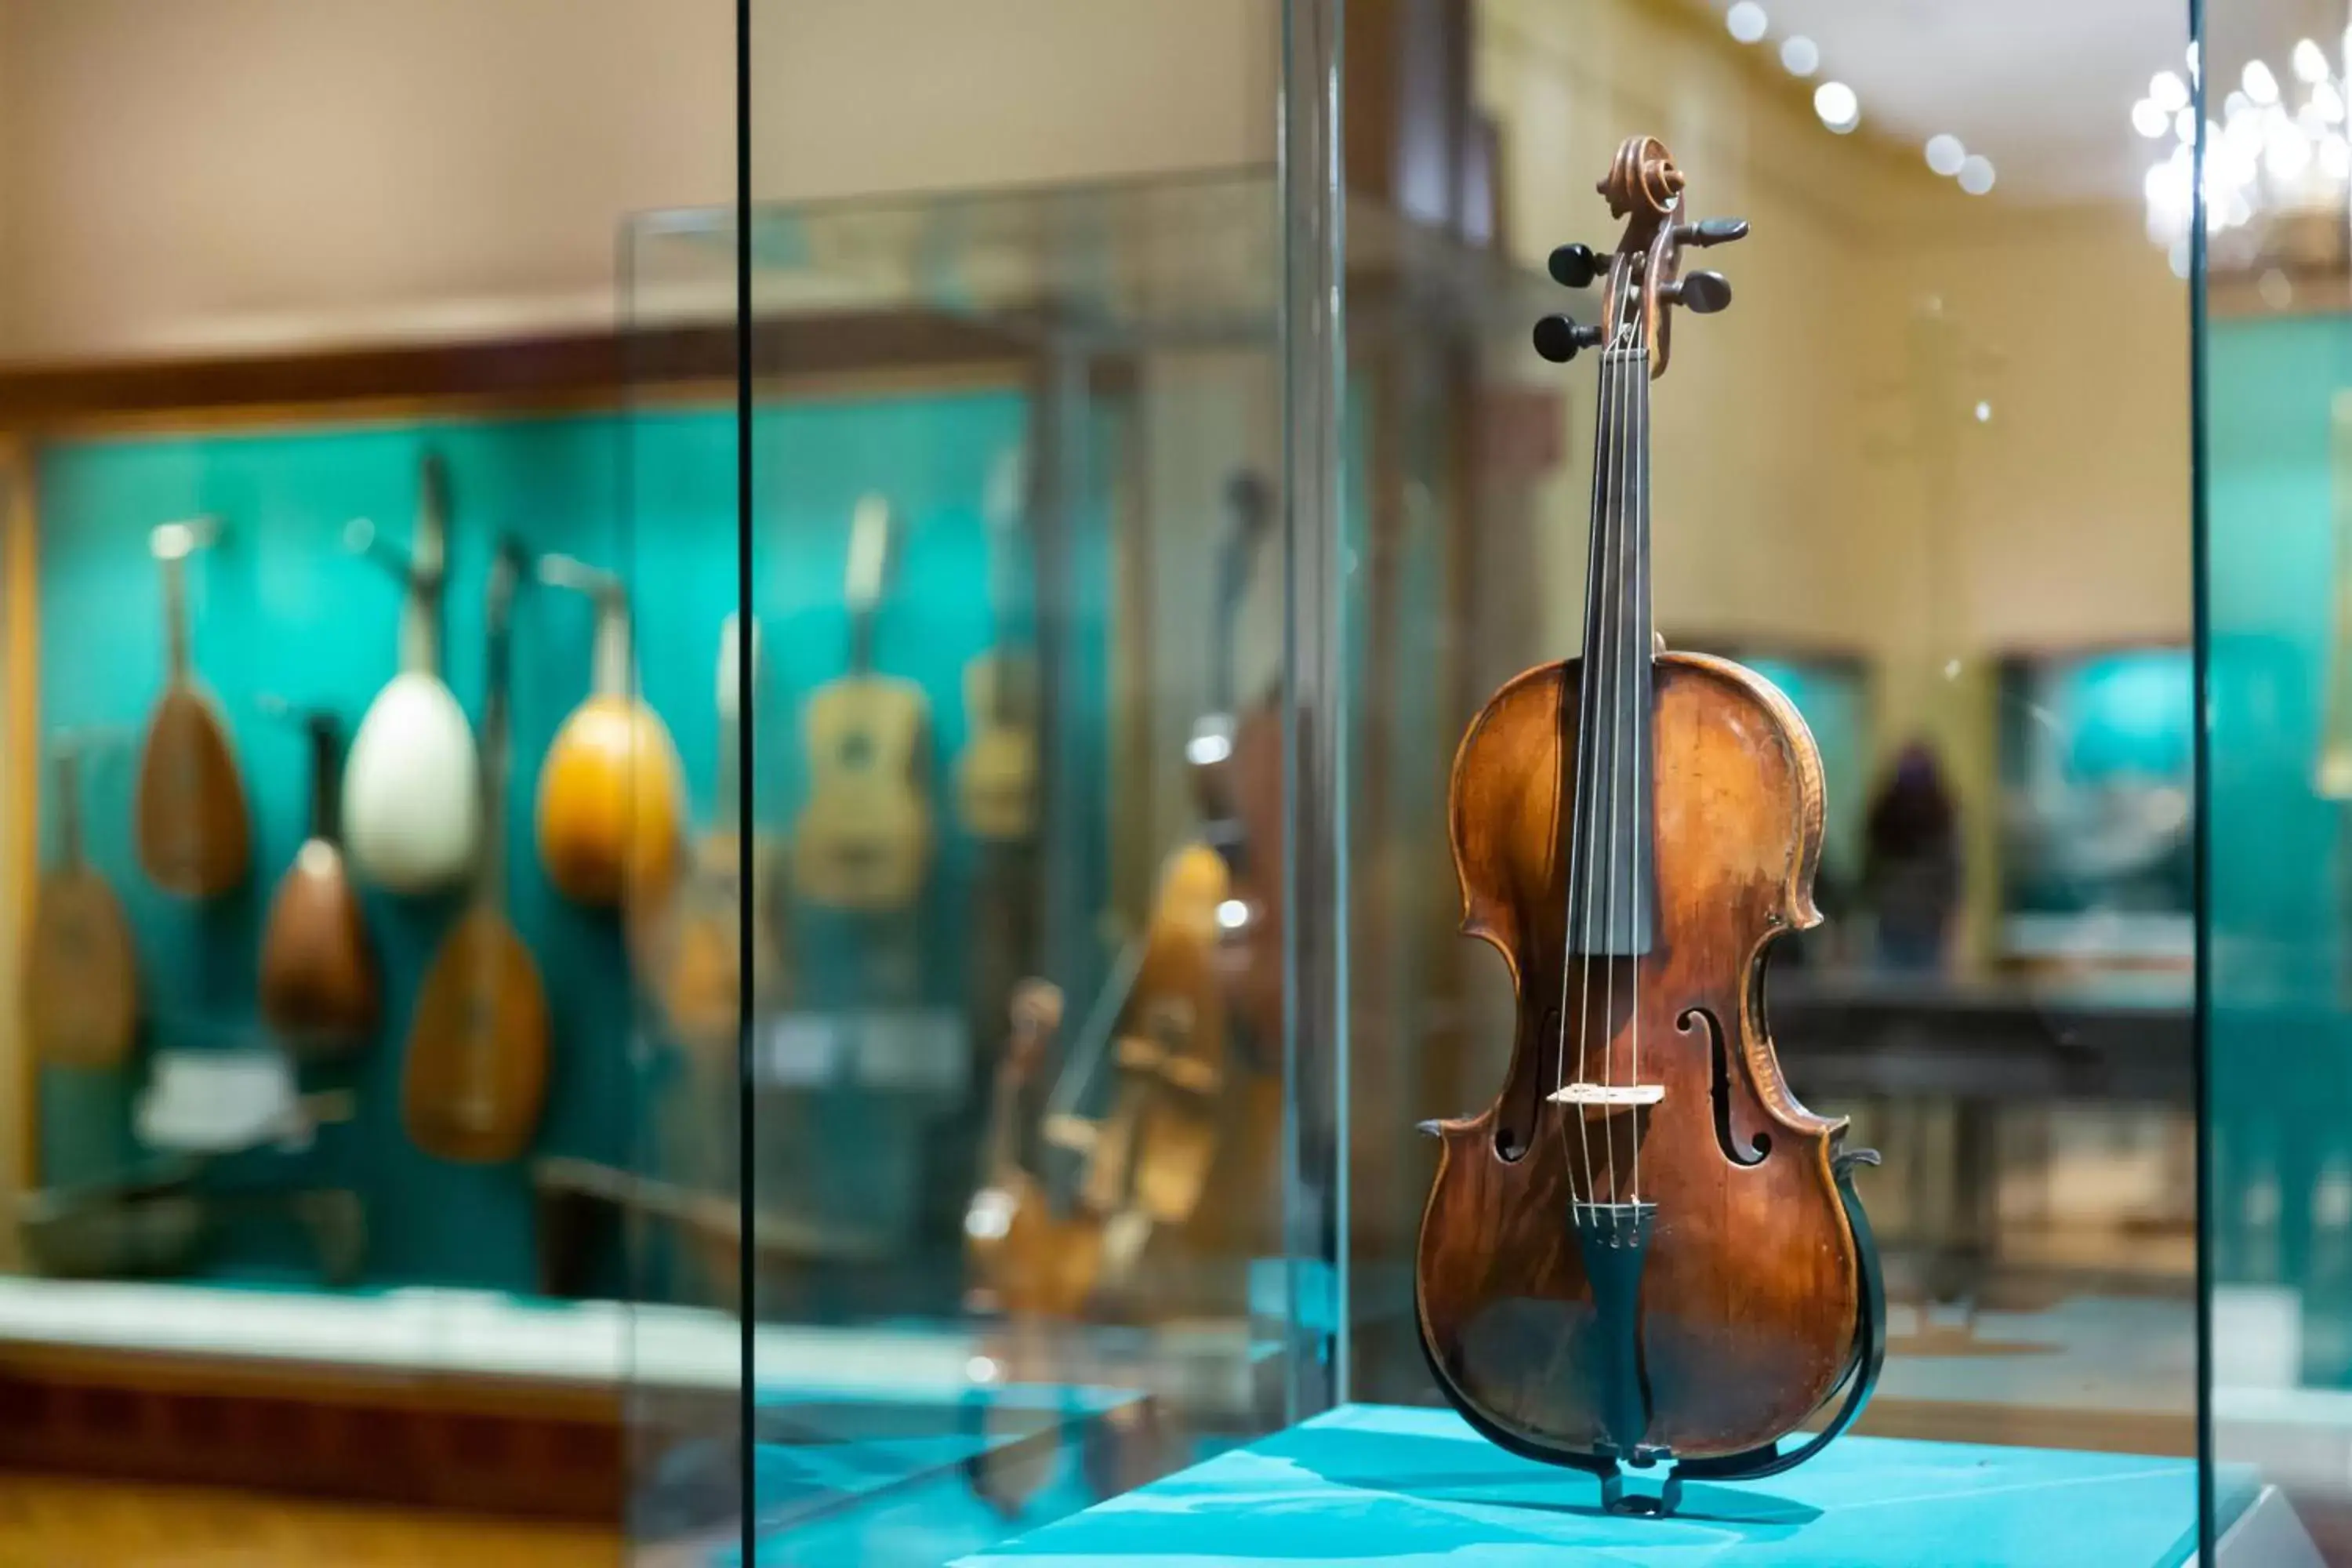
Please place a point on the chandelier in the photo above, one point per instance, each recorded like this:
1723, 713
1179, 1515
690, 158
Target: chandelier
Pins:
2278, 167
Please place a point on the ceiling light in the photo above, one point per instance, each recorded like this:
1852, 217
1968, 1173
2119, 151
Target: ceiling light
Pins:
1747, 21
1801, 56
1945, 154
2261, 85
2310, 62
2148, 118
2334, 155
2184, 126
2170, 93
2326, 99
1984, 412
1836, 104
1976, 175
2192, 58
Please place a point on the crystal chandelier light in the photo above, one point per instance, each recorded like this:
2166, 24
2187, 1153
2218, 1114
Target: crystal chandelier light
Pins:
2276, 152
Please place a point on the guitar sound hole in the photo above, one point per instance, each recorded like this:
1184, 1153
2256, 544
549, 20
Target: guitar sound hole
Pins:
857, 751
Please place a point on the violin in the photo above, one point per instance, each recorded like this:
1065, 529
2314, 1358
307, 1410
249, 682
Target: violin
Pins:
1645, 1251
1077, 1240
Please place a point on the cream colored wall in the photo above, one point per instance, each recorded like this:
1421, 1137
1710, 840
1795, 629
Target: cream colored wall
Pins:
210, 174
1821, 477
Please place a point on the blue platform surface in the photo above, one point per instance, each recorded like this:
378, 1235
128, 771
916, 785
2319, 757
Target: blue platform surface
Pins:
1369, 1483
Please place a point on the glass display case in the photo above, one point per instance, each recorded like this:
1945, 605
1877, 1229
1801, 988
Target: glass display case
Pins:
1180, 804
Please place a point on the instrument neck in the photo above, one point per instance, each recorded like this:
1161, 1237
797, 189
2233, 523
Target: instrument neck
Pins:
175, 616
69, 788
497, 688
1611, 895
325, 779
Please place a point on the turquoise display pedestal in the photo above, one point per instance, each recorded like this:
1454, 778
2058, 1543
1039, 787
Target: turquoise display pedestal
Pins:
1371, 1483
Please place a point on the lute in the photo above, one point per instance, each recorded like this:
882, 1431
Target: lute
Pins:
81, 979
687, 940
194, 833
476, 1074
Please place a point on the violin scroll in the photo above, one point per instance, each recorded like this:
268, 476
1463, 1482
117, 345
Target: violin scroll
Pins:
1643, 274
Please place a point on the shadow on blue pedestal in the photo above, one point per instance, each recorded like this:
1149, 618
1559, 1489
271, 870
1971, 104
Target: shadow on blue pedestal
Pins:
1389, 1485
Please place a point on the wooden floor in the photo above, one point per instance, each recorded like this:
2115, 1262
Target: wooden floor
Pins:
54, 1522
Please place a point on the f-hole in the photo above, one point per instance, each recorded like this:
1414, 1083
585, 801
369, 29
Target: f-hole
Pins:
1720, 1055
1514, 1123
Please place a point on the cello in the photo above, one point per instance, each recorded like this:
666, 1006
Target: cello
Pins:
1645, 1252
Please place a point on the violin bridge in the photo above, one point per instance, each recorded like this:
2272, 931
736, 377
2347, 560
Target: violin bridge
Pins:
1609, 1094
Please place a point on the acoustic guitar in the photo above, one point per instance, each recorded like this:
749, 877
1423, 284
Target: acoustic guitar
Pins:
864, 840
81, 981
611, 792
687, 940
195, 836
996, 775
319, 986
476, 1075
412, 791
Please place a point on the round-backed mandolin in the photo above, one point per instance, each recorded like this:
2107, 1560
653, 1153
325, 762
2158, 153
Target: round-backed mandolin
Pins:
1645, 1252
412, 807
611, 790
319, 986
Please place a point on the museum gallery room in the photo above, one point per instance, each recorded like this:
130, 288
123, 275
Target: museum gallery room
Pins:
1034, 782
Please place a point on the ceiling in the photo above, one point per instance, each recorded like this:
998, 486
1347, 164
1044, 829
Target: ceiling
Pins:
2043, 88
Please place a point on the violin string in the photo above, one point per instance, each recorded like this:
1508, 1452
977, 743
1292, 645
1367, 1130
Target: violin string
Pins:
1637, 525
1578, 910
1622, 465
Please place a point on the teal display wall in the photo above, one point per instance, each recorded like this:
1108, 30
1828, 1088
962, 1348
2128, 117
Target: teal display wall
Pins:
281, 608
2280, 1069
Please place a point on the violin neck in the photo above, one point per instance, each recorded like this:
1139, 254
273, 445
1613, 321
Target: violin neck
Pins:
1612, 891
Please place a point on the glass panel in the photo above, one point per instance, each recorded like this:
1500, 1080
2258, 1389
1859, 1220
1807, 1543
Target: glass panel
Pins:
354, 581
1928, 474
1019, 558
2276, 356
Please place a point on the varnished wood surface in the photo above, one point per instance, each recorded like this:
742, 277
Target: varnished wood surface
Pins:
50, 1521
319, 986
477, 1071
1749, 1294
194, 832
81, 985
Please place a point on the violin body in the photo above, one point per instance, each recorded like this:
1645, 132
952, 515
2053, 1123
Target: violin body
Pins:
1749, 1294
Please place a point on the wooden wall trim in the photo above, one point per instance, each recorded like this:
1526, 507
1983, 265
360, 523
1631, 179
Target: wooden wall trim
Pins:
600, 367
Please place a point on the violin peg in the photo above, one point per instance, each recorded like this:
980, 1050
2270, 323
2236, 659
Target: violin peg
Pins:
1711, 231
1701, 293
1558, 339
1426, 1129
1575, 265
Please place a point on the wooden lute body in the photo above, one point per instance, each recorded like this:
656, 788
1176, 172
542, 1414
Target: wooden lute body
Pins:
194, 831
476, 1075
81, 980
319, 985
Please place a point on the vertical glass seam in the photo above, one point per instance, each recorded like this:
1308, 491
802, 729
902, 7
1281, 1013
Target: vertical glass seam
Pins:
2200, 788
